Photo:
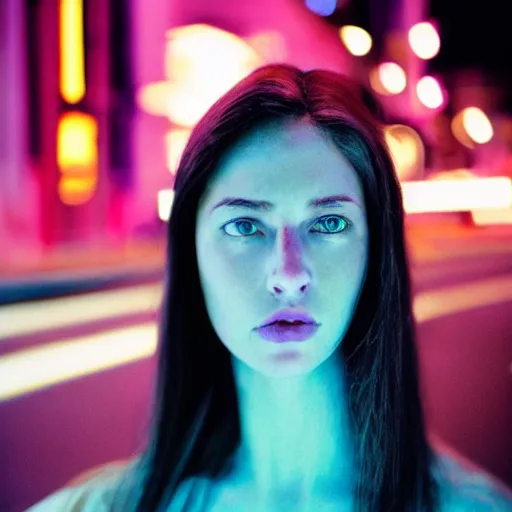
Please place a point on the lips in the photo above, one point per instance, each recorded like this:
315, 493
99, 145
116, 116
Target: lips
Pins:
290, 316
288, 325
281, 332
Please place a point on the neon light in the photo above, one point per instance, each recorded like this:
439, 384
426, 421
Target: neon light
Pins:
165, 200
77, 157
457, 195
492, 217
72, 66
77, 135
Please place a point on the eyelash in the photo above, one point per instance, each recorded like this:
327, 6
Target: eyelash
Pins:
348, 226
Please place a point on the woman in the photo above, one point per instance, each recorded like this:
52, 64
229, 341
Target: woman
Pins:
288, 375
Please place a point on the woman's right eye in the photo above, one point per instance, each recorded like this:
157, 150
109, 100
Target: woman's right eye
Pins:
242, 228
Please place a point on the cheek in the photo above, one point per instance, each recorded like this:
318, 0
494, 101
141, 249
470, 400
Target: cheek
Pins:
226, 280
340, 281
227, 273
346, 265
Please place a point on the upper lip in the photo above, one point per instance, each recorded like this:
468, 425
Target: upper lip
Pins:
289, 315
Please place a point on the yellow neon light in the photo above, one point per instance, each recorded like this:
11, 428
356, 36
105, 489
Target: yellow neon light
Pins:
77, 157
72, 60
76, 190
77, 140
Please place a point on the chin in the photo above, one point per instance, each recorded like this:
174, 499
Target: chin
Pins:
286, 364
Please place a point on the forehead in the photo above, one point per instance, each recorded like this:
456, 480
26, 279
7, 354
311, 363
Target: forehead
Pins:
291, 160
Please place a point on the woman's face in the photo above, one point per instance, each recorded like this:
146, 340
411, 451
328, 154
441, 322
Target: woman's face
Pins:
254, 262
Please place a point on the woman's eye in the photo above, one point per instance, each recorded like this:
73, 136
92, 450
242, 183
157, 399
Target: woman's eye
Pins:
242, 227
332, 224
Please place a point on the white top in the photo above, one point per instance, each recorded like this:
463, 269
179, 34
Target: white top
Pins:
463, 489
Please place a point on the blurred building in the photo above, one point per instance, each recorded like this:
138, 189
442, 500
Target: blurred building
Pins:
80, 163
100, 97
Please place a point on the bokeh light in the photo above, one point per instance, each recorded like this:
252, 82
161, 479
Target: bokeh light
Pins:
322, 7
175, 142
152, 98
392, 77
77, 157
202, 63
477, 125
270, 45
471, 126
457, 195
429, 92
75, 190
71, 47
357, 40
165, 199
424, 40
407, 151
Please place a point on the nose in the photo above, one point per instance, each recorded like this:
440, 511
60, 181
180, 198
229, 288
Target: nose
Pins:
289, 279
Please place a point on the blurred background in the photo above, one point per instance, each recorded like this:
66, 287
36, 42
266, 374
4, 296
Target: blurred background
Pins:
97, 100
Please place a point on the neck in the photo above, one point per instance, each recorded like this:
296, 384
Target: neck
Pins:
294, 430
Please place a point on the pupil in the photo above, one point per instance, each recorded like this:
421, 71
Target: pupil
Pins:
331, 223
246, 226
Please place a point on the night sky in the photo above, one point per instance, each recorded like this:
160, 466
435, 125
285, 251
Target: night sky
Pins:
479, 35
474, 34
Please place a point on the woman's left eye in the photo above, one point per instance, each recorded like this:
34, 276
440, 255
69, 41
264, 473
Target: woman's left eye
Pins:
333, 224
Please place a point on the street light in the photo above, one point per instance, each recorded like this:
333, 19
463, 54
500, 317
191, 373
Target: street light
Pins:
356, 40
424, 40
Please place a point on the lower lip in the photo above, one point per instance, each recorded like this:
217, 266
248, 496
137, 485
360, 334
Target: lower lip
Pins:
281, 333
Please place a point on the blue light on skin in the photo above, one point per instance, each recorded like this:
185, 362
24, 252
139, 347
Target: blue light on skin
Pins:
322, 7
292, 396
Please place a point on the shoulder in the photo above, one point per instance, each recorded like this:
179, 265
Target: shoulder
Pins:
73, 499
478, 490
93, 495
465, 487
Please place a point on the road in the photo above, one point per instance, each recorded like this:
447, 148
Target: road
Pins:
76, 372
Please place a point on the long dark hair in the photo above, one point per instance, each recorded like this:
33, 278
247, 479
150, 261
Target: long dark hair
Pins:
195, 428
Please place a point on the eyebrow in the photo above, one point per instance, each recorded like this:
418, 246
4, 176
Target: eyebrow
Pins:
335, 201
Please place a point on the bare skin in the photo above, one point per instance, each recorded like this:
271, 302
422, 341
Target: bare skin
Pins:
295, 444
